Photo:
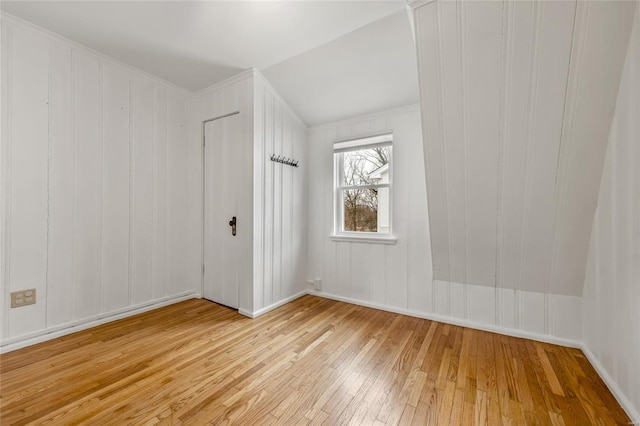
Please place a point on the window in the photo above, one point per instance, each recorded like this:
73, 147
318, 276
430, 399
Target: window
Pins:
363, 188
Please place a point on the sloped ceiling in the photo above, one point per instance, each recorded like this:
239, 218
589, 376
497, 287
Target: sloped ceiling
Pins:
195, 44
369, 70
517, 103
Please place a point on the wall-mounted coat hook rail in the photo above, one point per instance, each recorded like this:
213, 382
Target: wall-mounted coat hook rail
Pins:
282, 160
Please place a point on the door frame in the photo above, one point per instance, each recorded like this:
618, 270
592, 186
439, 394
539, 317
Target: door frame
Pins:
203, 124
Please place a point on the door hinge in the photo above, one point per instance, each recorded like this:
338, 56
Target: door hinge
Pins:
203, 269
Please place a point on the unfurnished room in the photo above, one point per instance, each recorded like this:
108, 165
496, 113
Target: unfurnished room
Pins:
366, 212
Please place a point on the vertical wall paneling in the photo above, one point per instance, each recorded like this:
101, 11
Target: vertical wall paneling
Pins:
299, 209
314, 211
611, 292
30, 64
553, 45
287, 204
86, 138
141, 197
283, 204
372, 273
5, 172
404, 132
343, 269
270, 170
453, 122
419, 264
277, 202
195, 191
322, 166
61, 189
159, 146
594, 81
259, 167
177, 193
248, 209
513, 133
378, 274
115, 189
273, 201
215, 102
399, 277
433, 129
88, 177
481, 112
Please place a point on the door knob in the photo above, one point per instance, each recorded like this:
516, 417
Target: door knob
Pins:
232, 224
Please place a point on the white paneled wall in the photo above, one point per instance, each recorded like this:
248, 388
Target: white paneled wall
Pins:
396, 276
603, 30
517, 101
273, 196
280, 221
232, 95
612, 286
95, 186
399, 277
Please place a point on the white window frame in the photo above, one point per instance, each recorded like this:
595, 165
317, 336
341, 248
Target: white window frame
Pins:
357, 144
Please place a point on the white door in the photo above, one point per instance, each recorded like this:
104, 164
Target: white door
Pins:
222, 175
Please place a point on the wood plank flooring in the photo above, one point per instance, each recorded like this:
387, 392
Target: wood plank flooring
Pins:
312, 361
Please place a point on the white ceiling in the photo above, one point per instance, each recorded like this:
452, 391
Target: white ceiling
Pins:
198, 43
330, 60
369, 70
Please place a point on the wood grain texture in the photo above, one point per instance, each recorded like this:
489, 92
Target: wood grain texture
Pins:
312, 361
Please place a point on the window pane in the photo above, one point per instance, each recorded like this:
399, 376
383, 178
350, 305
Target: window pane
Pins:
366, 166
366, 210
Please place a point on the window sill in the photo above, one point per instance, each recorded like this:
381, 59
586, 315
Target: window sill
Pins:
387, 239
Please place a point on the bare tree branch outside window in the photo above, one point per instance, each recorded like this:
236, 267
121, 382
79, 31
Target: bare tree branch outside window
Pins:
361, 205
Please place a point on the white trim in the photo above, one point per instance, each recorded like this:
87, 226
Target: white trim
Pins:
354, 144
622, 399
455, 321
271, 307
369, 186
415, 4
12, 344
339, 188
386, 239
17, 343
84, 49
225, 83
412, 20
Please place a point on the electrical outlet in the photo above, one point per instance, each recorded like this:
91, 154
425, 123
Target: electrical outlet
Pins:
315, 283
23, 297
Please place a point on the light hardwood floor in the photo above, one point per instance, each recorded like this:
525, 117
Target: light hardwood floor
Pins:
312, 361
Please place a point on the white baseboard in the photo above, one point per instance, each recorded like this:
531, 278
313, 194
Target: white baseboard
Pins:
272, 306
631, 411
9, 345
456, 321
19, 342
